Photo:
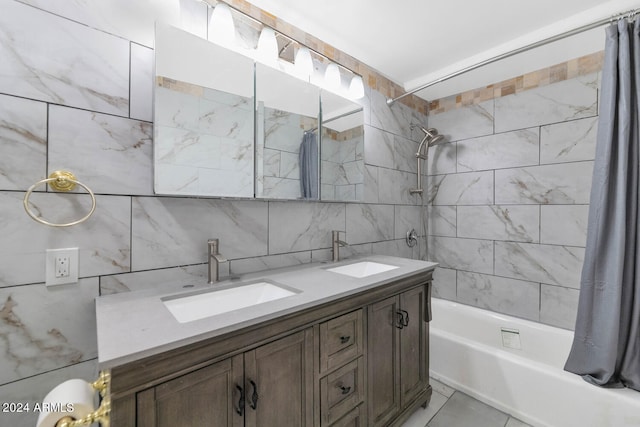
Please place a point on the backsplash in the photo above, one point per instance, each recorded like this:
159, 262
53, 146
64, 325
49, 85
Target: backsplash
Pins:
76, 94
510, 200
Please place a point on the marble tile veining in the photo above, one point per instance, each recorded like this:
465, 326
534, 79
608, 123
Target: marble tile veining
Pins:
174, 231
550, 264
504, 150
568, 183
464, 123
103, 240
564, 224
49, 58
472, 188
112, 155
301, 226
495, 222
44, 328
569, 141
567, 100
142, 79
369, 223
509, 296
407, 218
23, 132
462, 254
442, 220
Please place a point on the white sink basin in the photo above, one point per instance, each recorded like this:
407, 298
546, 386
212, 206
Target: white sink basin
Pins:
362, 269
214, 302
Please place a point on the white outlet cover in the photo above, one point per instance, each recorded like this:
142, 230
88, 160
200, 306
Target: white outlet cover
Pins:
72, 255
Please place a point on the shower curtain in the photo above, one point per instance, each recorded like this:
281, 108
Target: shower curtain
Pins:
308, 160
606, 345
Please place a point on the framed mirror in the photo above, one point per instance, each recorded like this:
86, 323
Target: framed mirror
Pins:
342, 149
203, 117
287, 112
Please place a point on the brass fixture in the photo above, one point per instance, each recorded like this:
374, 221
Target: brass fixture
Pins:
63, 181
100, 415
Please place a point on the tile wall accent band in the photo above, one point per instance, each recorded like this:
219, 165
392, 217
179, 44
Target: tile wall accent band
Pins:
564, 71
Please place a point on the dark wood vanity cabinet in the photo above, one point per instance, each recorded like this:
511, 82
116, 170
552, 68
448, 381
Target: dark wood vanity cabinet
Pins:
271, 385
398, 354
358, 361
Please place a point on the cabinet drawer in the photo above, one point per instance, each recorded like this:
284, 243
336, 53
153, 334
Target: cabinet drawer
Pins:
341, 391
340, 340
355, 418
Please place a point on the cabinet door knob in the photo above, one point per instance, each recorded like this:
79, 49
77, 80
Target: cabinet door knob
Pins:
400, 319
405, 317
254, 396
240, 408
345, 390
344, 339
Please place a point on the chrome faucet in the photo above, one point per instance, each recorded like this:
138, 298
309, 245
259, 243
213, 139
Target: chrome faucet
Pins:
336, 243
215, 258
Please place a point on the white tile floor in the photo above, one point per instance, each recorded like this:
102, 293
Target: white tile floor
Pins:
451, 408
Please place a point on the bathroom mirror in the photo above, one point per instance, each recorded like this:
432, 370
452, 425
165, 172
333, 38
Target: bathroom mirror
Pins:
342, 150
287, 111
211, 138
203, 117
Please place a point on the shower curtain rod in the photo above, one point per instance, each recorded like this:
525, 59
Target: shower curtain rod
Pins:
522, 49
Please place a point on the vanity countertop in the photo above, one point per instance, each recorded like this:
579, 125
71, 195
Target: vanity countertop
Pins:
134, 325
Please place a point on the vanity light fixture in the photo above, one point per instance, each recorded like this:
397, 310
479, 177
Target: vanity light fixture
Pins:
267, 50
332, 78
222, 31
356, 87
221, 27
303, 63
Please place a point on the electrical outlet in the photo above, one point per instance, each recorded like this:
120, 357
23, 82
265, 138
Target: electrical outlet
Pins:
62, 266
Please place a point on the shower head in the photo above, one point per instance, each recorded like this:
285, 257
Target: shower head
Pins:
431, 136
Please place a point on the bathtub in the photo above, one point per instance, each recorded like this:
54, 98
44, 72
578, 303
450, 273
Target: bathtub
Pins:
475, 351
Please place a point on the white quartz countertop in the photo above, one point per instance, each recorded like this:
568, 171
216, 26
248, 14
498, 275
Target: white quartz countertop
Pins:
134, 325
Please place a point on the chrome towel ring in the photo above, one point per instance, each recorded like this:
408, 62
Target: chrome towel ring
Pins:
59, 181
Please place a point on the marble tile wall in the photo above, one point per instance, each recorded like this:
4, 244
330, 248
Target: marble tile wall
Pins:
76, 92
510, 198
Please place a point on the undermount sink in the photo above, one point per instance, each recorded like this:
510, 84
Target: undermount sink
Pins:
213, 302
362, 269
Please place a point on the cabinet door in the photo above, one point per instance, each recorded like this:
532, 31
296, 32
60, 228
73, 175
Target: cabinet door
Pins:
206, 397
413, 344
279, 382
383, 352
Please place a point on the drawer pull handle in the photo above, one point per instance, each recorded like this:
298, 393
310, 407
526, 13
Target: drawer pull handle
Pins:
240, 408
254, 396
345, 339
345, 390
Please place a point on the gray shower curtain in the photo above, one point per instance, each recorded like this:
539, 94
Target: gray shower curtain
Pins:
308, 159
606, 345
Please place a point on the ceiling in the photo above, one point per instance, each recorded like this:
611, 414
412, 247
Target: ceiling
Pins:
413, 42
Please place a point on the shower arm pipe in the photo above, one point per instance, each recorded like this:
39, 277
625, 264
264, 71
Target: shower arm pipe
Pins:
517, 51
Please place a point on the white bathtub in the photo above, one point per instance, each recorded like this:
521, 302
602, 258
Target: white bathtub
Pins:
467, 353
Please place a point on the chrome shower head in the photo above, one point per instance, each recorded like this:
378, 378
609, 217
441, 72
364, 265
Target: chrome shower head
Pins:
437, 140
431, 135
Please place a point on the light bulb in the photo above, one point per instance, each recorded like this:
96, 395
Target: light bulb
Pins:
267, 46
356, 88
332, 77
303, 63
221, 27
